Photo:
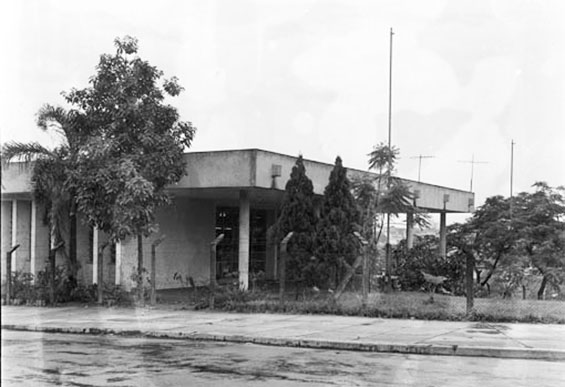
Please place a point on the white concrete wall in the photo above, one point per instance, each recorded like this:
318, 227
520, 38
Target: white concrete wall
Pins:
189, 226
23, 237
42, 238
431, 196
6, 230
217, 169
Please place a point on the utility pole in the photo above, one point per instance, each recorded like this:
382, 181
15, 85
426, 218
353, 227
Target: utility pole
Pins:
472, 162
512, 143
388, 265
420, 157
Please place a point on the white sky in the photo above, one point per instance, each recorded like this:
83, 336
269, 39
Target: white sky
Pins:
311, 77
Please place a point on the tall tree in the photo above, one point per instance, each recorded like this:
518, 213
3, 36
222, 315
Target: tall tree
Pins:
339, 219
382, 196
297, 214
135, 148
508, 245
539, 220
51, 169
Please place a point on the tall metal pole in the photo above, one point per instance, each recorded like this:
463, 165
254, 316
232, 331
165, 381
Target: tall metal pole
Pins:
390, 92
472, 168
420, 157
511, 177
387, 250
472, 162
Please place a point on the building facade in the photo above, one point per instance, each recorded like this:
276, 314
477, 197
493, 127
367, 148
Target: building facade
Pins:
236, 193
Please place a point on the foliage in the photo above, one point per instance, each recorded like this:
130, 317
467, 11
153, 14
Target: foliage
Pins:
378, 198
51, 169
405, 305
339, 218
424, 257
539, 221
297, 214
142, 279
136, 143
512, 240
35, 290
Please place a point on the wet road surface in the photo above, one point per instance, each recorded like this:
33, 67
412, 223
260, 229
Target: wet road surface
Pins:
42, 359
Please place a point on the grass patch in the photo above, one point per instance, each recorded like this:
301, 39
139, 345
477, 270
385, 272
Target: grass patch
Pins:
406, 305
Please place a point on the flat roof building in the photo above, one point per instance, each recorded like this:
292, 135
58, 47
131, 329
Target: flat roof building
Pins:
234, 192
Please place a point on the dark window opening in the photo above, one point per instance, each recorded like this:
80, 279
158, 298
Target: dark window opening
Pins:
90, 244
227, 253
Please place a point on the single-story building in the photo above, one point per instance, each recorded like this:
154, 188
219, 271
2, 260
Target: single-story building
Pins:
236, 193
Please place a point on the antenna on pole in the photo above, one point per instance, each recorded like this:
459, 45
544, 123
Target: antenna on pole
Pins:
512, 143
388, 265
472, 162
420, 157
390, 92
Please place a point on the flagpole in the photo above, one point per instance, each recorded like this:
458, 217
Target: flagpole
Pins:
387, 250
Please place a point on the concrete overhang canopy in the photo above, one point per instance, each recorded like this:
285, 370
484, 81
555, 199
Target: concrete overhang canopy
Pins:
16, 181
220, 175
263, 170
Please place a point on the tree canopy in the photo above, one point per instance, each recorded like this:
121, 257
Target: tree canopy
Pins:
516, 239
50, 174
297, 214
339, 218
135, 143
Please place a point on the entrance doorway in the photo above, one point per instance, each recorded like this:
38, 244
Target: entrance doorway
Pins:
227, 258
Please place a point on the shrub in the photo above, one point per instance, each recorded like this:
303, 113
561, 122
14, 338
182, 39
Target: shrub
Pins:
424, 257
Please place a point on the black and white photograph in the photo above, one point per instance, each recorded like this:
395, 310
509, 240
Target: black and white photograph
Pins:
282, 193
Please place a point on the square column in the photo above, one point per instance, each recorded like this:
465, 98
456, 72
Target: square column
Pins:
118, 268
409, 230
14, 232
243, 261
33, 237
442, 235
94, 255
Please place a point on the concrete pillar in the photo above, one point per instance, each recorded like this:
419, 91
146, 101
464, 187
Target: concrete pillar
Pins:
409, 230
118, 268
14, 232
271, 259
442, 235
94, 255
33, 238
243, 265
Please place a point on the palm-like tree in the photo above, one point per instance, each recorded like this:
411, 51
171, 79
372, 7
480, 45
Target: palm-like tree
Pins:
50, 173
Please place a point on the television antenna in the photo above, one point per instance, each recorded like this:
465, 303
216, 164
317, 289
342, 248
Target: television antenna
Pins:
420, 157
472, 162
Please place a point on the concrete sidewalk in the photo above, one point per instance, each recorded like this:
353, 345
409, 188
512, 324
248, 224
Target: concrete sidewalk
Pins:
526, 341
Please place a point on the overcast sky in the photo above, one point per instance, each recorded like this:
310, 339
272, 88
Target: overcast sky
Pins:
311, 77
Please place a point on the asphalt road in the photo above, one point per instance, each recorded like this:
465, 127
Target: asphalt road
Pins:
40, 359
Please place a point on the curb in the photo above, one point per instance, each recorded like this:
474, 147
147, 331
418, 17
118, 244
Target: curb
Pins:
412, 349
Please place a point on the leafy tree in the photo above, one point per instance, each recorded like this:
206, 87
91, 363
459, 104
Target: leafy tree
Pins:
513, 246
382, 196
51, 169
424, 257
538, 220
339, 218
135, 147
297, 214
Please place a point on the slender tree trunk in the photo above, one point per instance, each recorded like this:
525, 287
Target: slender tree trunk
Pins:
491, 271
541, 290
140, 267
523, 292
469, 268
73, 263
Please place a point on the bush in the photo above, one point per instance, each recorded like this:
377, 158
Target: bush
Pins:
424, 257
35, 290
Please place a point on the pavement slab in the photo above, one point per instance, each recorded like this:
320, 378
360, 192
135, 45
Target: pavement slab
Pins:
526, 341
